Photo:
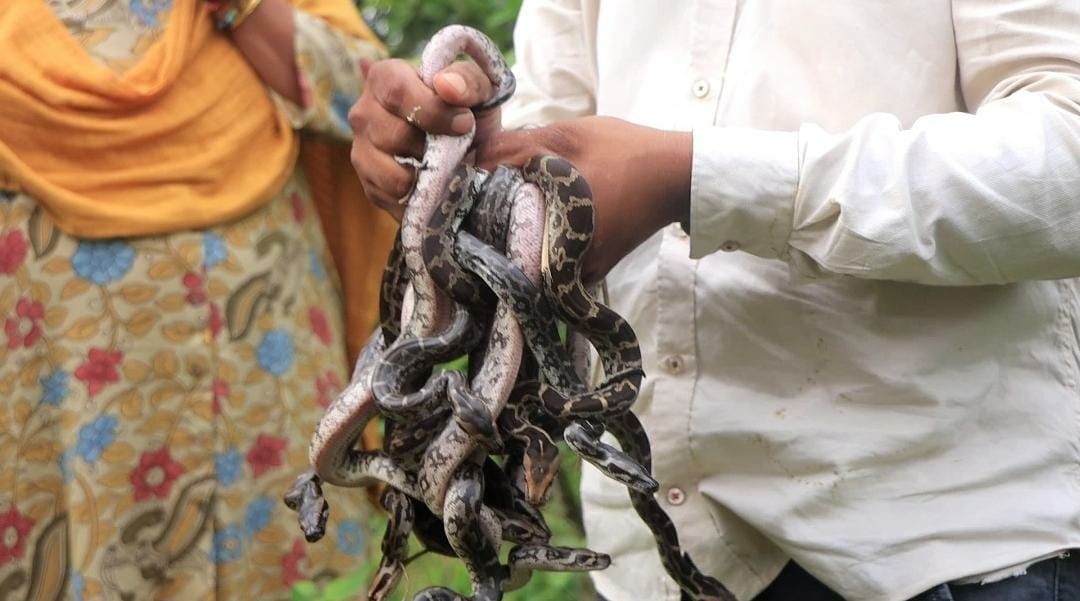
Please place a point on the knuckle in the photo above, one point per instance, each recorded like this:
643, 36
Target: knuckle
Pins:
381, 70
390, 134
357, 116
375, 134
393, 95
394, 77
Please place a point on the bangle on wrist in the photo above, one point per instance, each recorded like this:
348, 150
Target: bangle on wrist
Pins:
229, 15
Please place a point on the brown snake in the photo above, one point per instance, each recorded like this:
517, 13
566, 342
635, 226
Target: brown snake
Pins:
442, 292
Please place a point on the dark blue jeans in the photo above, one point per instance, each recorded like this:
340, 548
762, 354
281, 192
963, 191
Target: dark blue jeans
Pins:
1050, 580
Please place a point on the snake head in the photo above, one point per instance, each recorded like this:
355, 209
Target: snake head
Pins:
294, 496
541, 465
471, 413
306, 498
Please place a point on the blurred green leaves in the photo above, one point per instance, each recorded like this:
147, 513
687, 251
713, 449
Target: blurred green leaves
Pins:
406, 25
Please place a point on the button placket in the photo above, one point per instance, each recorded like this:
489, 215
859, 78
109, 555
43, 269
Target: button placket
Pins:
674, 360
710, 45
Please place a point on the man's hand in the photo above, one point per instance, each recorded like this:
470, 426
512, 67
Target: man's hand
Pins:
395, 111
640, 177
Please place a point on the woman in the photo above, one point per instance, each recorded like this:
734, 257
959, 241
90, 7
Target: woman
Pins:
172, 327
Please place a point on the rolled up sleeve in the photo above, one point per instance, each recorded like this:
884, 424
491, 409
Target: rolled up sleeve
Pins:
986, 197
742, 191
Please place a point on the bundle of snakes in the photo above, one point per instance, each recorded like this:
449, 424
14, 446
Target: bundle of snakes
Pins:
488, 264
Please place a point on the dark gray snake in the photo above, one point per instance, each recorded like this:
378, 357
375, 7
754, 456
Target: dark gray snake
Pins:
487, 258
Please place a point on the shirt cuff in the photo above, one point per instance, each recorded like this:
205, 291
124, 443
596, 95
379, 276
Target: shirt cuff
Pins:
742, 191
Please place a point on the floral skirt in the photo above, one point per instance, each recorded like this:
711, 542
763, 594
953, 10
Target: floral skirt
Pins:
157, 396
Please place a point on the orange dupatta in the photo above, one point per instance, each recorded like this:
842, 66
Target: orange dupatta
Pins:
187, 138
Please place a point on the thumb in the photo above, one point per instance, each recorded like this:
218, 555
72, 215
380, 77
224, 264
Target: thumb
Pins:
462, 84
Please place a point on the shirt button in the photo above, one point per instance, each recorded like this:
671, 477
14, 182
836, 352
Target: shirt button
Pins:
730, 246
673, 364
676, 496
700, 88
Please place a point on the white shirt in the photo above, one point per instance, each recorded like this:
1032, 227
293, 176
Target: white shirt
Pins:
881, 381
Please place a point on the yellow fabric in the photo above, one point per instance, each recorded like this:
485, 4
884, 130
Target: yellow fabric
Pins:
187, 138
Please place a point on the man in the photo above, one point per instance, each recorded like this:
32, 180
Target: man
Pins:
861, 355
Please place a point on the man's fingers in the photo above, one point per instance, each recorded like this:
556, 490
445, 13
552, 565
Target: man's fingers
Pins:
392, 135
398, 88
463, 84
385, 202
382, 170
391, 176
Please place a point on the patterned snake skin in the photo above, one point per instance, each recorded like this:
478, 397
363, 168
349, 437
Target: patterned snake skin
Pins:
487, 265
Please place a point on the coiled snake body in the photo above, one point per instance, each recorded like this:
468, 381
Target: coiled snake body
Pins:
486, 265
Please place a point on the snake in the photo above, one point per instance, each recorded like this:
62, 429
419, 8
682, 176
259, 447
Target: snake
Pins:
395, 544
478, 547
411, 358
496, 376
433, 466
448, 473
509, 282
477, 551
451, 451
427, 310
532, 442
331, 452
567, 236
442, 154
695, 584
612, 335
423, 308
424, 313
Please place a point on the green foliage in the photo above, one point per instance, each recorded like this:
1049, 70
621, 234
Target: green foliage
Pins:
406, 25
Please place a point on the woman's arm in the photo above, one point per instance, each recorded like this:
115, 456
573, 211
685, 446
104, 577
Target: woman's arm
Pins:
309, 52
266, 39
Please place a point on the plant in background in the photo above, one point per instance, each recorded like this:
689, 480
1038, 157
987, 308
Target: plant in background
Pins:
406, 25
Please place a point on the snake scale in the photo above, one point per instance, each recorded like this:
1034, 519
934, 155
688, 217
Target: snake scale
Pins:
487, 265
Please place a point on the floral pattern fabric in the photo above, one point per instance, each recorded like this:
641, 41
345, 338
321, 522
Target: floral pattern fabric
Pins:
158, 396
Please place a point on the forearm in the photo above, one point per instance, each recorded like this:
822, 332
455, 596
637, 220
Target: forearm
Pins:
645, 188
957, 199
266, 39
